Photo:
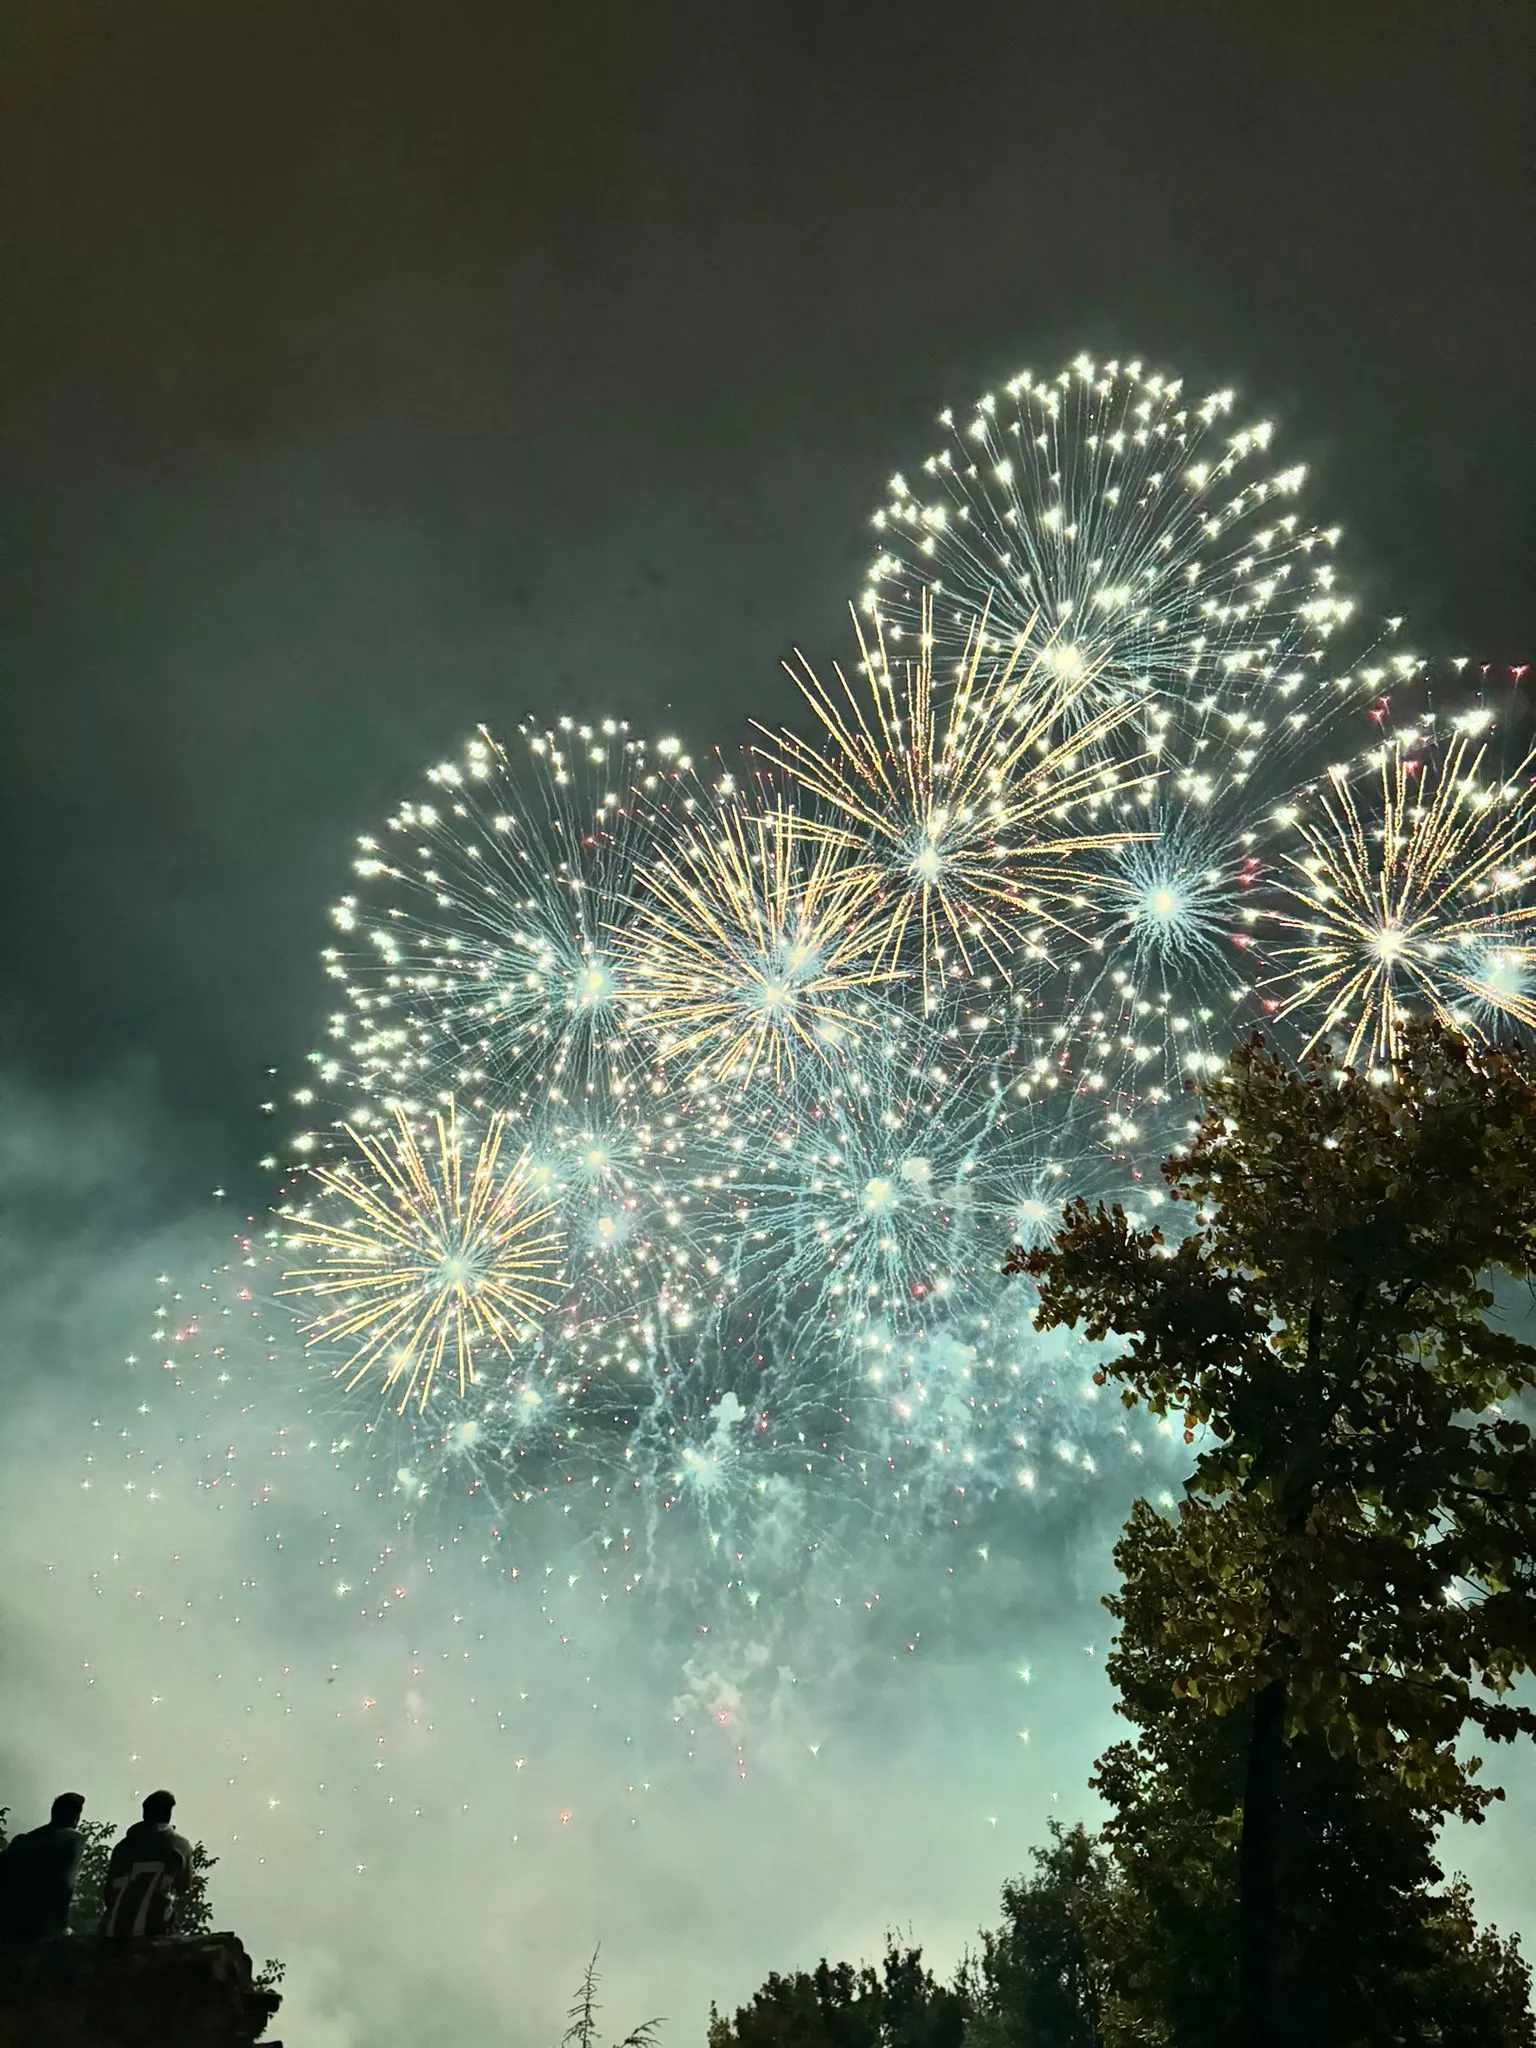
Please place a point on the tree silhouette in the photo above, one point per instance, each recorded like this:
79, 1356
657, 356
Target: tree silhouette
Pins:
584, 2009
900, 2005
1358, 1543
1374, 1950
1043, 1978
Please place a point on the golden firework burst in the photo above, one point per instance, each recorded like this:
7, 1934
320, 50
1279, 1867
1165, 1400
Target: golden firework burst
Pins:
1413, 894
751, 945
429, 1248
967, 808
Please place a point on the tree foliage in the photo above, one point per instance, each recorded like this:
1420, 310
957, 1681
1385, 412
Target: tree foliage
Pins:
1346, 1592
1042, 1979
1375, 1949
1355, 1558
582, 2029
1037, 1981
1326, 1318
900, 2005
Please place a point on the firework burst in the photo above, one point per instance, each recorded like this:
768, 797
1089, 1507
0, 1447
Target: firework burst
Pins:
693, 1309
961, 808
746, 1456
1412, 893
750, 948
1171, 962
865, 1212
1134, 542
426, 1254
478, 960
789, 1057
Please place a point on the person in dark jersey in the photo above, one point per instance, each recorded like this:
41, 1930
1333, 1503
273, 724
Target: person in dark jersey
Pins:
148, 1871
37, 1874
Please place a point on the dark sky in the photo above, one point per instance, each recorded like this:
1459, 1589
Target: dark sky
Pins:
373, 370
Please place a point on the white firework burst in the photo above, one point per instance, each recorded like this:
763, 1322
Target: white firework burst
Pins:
1141, 547
476, 953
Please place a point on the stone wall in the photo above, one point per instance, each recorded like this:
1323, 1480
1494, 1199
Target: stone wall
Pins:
85, 1993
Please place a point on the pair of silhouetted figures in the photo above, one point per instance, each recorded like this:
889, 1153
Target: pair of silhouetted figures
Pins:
148, 1870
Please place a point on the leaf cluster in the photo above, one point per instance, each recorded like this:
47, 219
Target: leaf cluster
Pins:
1361, 1520
1042, 1979
1375, 1949
898, 2005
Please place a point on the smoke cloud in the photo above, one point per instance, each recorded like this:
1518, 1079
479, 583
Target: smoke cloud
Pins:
442, 1765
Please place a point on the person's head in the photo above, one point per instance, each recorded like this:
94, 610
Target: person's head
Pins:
159, 1807
67, 1809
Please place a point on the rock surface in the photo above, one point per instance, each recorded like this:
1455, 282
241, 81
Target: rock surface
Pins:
132, 1994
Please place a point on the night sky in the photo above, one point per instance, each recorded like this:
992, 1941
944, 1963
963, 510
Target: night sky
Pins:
367, 373
372, 371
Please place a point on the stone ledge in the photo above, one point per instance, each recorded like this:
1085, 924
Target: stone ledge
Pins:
89, 1993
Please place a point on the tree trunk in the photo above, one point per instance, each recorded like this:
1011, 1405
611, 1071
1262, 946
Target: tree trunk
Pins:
1259, 1961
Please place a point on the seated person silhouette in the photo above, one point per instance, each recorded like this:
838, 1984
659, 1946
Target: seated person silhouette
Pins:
148, 1870
37, 1874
